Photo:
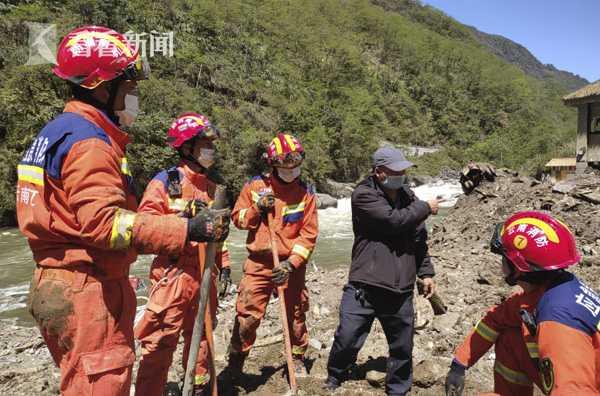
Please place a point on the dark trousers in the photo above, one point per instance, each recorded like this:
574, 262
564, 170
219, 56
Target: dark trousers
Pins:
360, 305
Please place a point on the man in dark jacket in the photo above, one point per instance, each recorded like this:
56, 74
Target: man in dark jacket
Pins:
390, 250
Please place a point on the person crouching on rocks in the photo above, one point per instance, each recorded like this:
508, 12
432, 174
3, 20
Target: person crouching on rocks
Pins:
291, 205
389, 252
173, 304
548, 333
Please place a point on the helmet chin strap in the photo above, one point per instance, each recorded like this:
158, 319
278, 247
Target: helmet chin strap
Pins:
85, 95
110, 104
512, 278
191, 159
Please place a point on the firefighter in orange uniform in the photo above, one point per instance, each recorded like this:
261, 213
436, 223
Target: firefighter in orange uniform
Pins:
548, 334
76, 207
295, 225
176, 280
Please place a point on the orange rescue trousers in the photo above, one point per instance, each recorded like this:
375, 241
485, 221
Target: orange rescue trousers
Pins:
87, 325
171, 309
254, 292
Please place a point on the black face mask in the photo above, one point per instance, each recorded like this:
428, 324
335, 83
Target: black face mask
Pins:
510, 279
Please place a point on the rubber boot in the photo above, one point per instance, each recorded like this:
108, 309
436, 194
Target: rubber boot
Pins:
235, 365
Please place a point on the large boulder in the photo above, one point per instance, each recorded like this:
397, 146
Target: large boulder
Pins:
325, 201
337, 189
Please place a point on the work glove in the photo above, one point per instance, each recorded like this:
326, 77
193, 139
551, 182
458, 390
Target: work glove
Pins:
209, 225
193, 207
265, 202
281, 273
224, 281
455, 380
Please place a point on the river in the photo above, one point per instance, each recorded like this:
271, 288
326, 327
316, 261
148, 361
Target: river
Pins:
333, 249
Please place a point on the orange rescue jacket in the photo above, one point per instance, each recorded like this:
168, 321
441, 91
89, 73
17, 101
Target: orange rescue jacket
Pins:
158, 201
295, 221
566, 330
74, 198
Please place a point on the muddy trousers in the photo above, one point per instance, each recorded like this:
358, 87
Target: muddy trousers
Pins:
88, 327
514, 370
360, 305
171, 310
253, 297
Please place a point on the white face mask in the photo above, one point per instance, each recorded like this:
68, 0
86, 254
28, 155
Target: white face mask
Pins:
288, 175
128, 115
206, 157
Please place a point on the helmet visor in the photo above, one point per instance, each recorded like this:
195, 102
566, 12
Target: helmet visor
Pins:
211, 132
289, 160
138, 70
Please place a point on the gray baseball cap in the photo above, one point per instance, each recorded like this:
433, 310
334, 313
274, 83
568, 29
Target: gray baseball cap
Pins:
392, 158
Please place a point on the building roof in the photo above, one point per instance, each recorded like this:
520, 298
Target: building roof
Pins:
561, 162
585, 94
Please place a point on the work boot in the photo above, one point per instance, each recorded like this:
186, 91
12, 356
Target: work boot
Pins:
300, 367
201, 390
172, 389
331, 384
235, 365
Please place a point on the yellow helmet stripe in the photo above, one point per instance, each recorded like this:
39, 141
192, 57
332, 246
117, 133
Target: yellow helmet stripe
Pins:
278, 148
198, 120
101, 35
548, 230
290, 142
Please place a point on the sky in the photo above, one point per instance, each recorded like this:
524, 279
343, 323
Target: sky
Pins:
561, 32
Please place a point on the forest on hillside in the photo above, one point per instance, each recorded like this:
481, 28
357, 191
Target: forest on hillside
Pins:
342, 75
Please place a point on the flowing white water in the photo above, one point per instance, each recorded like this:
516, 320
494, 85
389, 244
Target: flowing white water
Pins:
333, 249
448, 191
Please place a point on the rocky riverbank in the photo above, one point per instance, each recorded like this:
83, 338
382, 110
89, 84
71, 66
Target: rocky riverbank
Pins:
468, 277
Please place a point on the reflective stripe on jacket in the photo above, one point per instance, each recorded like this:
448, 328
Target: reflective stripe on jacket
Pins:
567, 320
156, 201
74, 199
295, 219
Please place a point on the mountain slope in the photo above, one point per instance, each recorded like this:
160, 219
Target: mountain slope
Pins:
519, 55
342, 76
503, 47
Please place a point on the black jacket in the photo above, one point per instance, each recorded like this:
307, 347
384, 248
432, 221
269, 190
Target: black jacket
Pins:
390, 238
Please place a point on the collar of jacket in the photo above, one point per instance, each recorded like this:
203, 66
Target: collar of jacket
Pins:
189, 173
100, 119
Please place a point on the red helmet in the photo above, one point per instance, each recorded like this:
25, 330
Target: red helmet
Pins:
535, 241
285, 151
90, 55
188, 126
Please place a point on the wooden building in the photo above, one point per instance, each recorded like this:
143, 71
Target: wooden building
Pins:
587, 101
560, 168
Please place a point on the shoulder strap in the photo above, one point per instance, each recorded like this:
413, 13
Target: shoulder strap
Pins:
173, 183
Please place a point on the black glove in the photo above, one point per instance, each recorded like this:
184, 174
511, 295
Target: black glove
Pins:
224, 281
209, 225
455, 380
265, 202
193, 207
281, 273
